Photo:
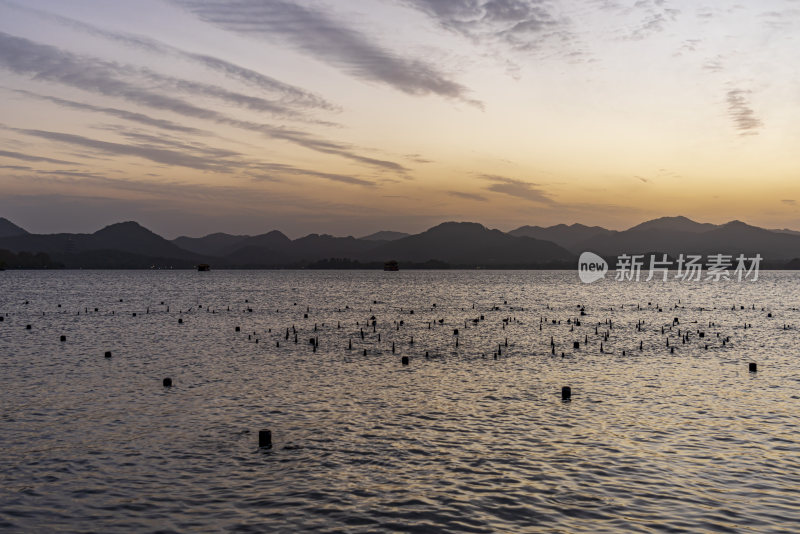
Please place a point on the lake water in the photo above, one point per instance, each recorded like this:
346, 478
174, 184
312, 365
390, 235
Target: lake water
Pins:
460, 441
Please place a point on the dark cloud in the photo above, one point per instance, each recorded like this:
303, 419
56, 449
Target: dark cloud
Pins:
36, 159
48, 63
743, 116
330, 40
517, 188
521, 23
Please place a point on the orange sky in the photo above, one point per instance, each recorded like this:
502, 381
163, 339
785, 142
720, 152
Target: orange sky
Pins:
193, 116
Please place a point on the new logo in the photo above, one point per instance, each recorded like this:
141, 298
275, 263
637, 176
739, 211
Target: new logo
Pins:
591, 267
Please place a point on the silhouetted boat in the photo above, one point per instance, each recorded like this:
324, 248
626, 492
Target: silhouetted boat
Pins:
391, 266
204, 267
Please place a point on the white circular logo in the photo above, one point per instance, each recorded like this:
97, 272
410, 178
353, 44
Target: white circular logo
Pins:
591, 267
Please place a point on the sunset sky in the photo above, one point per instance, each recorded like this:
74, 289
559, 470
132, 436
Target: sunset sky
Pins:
243, 116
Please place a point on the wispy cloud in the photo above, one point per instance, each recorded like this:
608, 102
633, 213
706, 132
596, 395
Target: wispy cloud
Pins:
467, 196
154, 154
280, 169
789, 201
645, 18
131, 116
655, 15
36, 159
743, 116
15, 167
179, 154
714, 64
48, 63
289, 93
520, 23
517, 188
328, 39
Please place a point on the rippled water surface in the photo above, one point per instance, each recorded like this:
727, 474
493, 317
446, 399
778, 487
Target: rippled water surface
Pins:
678, 438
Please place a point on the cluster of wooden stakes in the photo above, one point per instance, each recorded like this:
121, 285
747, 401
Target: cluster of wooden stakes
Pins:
564, 329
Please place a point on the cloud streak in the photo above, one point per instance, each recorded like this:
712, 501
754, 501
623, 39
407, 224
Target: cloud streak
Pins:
518, 188
184, 155
520, 23
34, 159
467, 196
48, 63
323, 37
291, 94
743, 116
131, 116
151, 153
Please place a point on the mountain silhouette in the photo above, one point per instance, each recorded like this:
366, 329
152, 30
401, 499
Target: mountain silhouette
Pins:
568, 236
225, 244
133, 238
673, 224
217, 244
126, 244
9, 229
679, 235
385, 235
278, 250
450, 244
465, 243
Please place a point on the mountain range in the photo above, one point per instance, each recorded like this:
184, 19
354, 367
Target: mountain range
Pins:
450, 244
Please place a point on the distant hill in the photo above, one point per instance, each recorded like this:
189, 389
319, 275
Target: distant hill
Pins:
211, 245
567, 236
385, 235
133, 238
225, 244
464, 243
127, 238
695, 238
279, 251
9, 229
673, 224
786, 231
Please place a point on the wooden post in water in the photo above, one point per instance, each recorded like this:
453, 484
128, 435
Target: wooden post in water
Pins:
265, 439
